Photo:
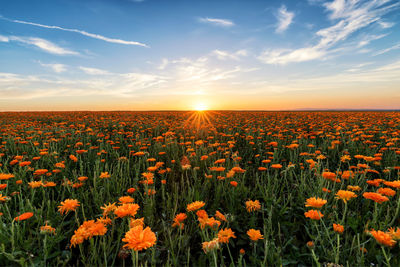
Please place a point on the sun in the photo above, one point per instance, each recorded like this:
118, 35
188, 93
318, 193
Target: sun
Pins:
200, 107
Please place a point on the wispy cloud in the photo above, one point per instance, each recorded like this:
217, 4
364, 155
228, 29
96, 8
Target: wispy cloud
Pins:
56, 67
85, 33
351, 16
40, 43
383, 51
94, 71
218, 22
224, 55
285, 18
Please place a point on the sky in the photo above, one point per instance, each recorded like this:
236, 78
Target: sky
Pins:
185, 55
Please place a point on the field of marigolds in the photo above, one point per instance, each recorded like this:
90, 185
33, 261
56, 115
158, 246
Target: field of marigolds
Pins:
199, 189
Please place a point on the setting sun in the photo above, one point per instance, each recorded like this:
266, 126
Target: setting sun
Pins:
200, 107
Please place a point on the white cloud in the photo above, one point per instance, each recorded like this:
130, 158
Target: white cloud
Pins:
282, 57
43, 44
351, 16
218, 22
88, 34
383, 51
285, 18
164, 64
57, 67
385, 25
369, 38
94, 71
224, 55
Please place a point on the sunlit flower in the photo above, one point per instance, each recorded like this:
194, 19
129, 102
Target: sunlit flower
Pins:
68, 205
255, 235
138, 238
195, 205
253, 205
314, 214
225, 234
315, 202
345, 195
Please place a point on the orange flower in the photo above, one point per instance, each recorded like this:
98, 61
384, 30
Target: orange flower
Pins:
178, 220
35, 184
383, 238
345, 195
136, 222
276, 166
220, 216
387, 191
254, 235
128, 209
68, 205
338, 228
394, 233
6, 176
24, 216
225, 234
108, 208
375, 197
234, 183
253, 205
195, 205
47, 229
126, 199
138, 238
210, 245
315, 202
313, 214
104, 175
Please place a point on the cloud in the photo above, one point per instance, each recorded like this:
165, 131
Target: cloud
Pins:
43, 44
57, 67
383, 51
91, 35
94, 71
349, 17
285, 18
218, 22
282, 57
163, 64
224, 55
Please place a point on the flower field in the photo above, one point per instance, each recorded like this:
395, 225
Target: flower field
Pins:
199, 188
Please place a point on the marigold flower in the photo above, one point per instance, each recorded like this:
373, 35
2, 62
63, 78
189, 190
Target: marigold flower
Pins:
253, 205
68, 205
104, 175
138, 238
210, 245
35, 184
255, 235
178, 220
276, 166
126, 199
195, 205
24, 216
313, 214
47, 229
338, 228
108, 208
225, 234
315, 202
387, 191
394, 233
6, 176
345, 195
383, 238
128, 209
220, 216
135, 222
378, 198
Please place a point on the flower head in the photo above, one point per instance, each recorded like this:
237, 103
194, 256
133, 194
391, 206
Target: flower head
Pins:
345, 195
255, 235
313, 214
68, 205
253, 205
138, 238
315, 202
195, 205
225, 234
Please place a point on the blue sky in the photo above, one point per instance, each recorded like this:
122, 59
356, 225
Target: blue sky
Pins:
144, 55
